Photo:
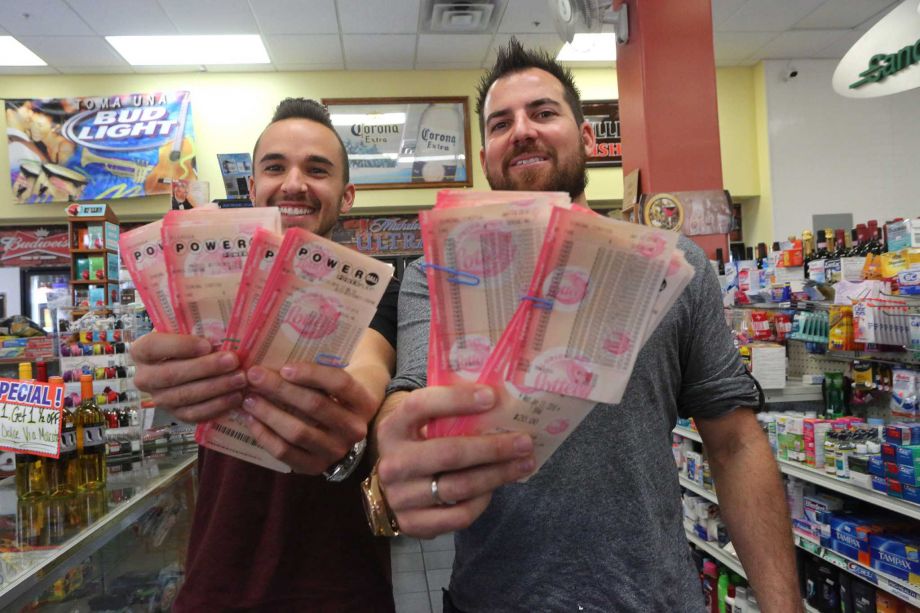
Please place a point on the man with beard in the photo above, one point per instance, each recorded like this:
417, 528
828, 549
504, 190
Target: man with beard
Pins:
263, 540
599, 527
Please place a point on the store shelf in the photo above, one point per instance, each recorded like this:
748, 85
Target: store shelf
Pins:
94, 251
718, 553
36, 569
793, 393
698, 489
687, 433
907, 358
899, 588
838, 485
95, 282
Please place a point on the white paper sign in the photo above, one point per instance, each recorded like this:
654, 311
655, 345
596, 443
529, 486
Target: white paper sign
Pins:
30, 417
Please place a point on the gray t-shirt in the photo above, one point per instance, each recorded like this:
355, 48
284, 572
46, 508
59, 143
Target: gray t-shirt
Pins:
599, 527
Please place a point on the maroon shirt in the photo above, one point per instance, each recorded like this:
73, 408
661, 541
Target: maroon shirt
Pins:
267, 541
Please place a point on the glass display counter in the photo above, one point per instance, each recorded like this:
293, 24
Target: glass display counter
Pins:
121, 549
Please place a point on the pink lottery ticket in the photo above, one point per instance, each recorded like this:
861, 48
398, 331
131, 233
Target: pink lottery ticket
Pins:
205, 251
479, 262
142, 252
590, 302
451, 198
262, 252
549, 418
317, 303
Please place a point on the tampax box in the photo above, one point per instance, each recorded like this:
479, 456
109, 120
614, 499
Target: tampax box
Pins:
896, 556
849, 536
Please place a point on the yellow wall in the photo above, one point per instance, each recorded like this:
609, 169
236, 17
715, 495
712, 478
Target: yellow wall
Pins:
230, 110
757, 214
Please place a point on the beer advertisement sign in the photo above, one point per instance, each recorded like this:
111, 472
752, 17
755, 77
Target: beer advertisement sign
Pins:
404, 142
96, 148
604, 117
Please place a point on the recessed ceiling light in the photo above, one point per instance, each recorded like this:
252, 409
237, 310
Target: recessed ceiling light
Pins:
14, 53
190, 50
590, 48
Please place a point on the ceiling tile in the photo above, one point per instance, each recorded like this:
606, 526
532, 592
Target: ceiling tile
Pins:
296, 49
124, 17
527, 16
167, 69
769, 15
798, 44
549, 42
381, 51
723, 9
453, 47
211, 16
309, 67
74, 50
841, 45
295, 16
737, 46
45, 18
390, 17
843, 14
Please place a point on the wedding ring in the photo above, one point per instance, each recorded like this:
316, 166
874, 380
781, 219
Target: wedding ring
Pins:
436, 496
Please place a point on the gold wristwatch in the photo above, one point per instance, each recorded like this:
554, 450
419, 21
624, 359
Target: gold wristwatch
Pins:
379, 516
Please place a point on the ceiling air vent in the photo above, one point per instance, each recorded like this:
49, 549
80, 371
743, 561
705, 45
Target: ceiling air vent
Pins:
455, 17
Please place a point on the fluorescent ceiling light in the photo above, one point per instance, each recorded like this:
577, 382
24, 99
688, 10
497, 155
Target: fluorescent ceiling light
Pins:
14, 53
190, 50
590, 48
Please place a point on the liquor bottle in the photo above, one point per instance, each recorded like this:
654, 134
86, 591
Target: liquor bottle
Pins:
808, 250
720, 260
841, 243
819, 260
90, 438
31, 482
749, 254
832, 266
821, 252
64, 473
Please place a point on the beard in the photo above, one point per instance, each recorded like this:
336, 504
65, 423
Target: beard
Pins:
570, 177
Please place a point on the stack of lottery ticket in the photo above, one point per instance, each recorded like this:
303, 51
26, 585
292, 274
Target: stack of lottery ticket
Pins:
317, 302
142, 252
548, 303
262, 251
205, 251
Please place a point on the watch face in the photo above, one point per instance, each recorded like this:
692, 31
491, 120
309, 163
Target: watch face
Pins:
664, 211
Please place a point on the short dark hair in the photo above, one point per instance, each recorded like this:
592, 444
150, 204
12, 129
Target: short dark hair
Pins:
514, 58
311, 110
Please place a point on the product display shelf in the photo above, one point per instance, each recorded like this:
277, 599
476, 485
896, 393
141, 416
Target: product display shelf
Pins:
687, 433
698, 489
905, 358
793, 393
898, 587
717, 553
27, 573
842, 487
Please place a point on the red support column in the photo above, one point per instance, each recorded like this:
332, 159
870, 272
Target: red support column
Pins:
668, 109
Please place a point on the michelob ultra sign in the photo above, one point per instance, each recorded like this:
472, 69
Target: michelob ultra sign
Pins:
122, 146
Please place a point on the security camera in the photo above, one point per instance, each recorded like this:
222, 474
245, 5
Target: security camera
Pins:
791, 72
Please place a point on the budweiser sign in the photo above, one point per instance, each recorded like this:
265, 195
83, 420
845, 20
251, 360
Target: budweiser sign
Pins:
34, 247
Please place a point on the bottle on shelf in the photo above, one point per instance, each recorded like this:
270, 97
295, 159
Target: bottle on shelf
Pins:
64, 473
91, 446
808, 249
31, 478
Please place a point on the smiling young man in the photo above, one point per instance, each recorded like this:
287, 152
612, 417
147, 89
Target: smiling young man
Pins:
599, 528
262, 540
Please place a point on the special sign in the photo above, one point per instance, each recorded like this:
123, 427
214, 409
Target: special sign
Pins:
67, 149
30, 417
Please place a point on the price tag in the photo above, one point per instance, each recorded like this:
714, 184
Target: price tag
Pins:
30, 417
